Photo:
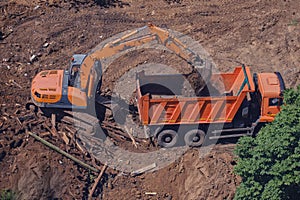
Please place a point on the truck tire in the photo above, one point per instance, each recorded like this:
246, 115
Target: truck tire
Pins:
194, 138
167, 138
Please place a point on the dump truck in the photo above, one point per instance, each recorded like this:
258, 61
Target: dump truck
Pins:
245, 103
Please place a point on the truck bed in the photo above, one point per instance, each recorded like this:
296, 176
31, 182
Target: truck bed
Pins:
161, 101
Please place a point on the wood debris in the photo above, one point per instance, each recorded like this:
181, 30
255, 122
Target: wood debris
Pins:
55, 148
143, 170
15, 83
129, 132
150, 193
53, 129
96, 182
64, 137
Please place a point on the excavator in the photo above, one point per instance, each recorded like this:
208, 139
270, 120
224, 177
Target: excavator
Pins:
76, 88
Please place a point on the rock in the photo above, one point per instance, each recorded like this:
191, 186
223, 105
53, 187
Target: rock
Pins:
18, 105
168, 197
6, 59
45, 45
138, 194
33, 58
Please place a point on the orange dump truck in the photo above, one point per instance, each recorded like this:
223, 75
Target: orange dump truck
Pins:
244, 104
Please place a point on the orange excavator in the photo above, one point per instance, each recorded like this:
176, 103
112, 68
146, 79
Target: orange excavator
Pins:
74, 88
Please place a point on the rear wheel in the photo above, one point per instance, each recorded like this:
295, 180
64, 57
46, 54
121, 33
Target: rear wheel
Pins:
194, 138
167, 138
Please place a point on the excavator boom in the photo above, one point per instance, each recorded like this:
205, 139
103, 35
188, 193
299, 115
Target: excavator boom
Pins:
161, 36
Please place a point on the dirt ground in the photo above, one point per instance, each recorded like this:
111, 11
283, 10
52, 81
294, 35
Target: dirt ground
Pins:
261, 34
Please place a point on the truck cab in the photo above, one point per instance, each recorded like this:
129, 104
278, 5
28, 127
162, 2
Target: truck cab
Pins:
270, 87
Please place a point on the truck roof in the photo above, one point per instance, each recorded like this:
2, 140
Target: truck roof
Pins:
269, 84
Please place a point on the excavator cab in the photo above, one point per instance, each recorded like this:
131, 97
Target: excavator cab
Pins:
74, 76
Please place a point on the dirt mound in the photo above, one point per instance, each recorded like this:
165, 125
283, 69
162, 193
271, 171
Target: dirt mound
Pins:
191, 177
262, 34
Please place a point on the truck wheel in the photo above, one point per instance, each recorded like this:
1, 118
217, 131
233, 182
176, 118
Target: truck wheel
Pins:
194, 138
167, 138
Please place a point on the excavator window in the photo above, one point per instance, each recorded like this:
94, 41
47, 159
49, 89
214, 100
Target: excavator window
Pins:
73, 75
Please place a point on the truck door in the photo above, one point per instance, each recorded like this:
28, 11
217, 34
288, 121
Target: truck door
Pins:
272, 105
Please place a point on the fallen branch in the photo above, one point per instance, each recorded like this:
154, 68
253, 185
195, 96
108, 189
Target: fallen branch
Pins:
19, 122
96, 182
143, 170
49, 129
55, 148
80, 147
70, 130
150, 193
53, 120
45, 134
131, 136
64, 137
15, 83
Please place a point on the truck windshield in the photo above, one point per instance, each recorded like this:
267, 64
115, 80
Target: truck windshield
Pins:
275, 101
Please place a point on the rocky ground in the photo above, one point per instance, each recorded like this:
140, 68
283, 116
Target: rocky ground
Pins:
43, 34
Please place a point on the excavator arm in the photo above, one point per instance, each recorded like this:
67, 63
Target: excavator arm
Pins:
159, 35
174, 44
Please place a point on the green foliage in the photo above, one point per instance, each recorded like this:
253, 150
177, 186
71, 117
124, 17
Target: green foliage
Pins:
7, 195
294, 22
270, 163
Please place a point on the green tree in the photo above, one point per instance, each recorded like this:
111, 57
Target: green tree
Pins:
270, 163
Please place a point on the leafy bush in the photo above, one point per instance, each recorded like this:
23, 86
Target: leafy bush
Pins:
7, 195
270, 163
